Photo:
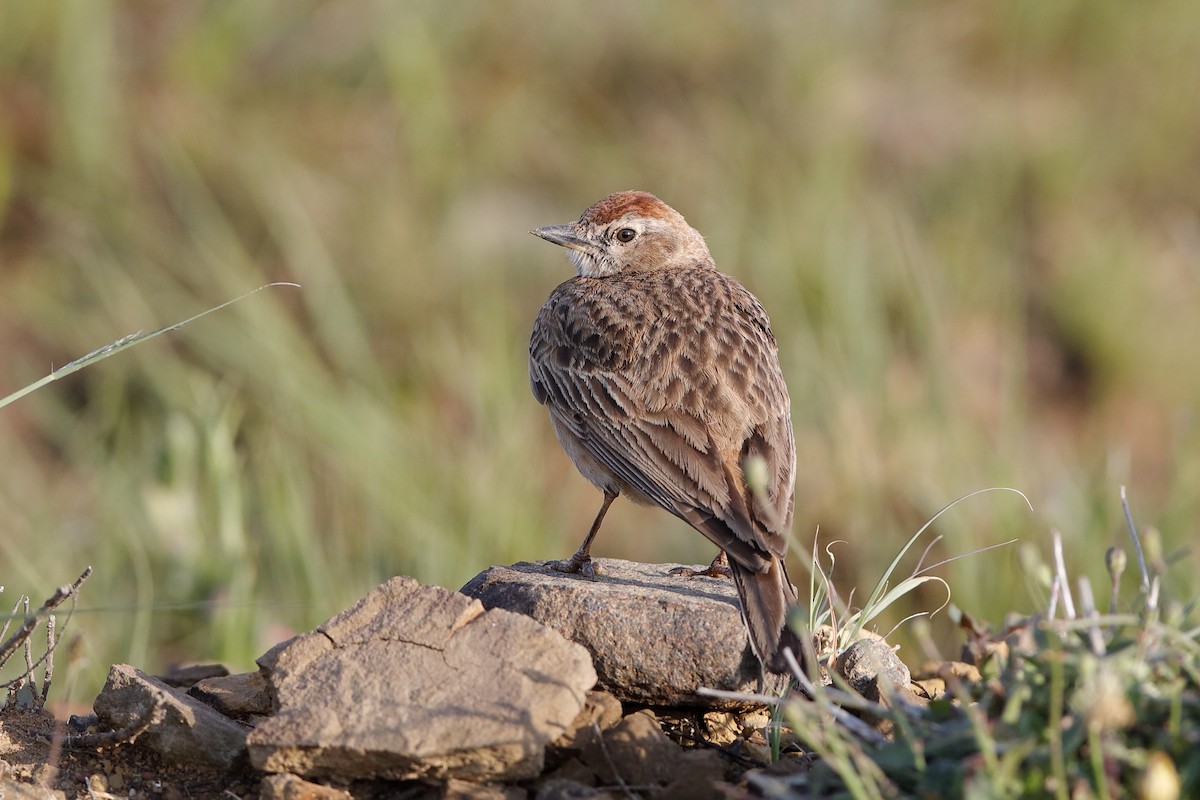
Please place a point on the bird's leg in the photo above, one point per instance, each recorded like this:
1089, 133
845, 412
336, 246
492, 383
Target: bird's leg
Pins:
719, 568
582, 562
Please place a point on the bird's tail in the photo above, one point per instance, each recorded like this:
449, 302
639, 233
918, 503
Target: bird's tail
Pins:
766, 597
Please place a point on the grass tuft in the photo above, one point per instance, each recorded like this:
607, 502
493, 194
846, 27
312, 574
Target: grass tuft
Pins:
1068, 703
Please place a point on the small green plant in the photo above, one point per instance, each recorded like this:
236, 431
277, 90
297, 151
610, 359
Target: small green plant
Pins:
1069, 703
825, 608
831, 625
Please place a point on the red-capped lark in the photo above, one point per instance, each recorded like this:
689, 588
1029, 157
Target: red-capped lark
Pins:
662, 379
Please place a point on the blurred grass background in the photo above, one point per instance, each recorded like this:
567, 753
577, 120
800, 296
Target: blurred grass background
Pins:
975, 227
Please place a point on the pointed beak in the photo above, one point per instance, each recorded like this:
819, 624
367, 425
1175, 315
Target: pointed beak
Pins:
563, 235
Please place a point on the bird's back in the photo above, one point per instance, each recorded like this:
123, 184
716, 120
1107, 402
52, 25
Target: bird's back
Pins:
669, 380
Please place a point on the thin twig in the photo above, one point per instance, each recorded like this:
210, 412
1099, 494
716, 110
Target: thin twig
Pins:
27, 648
1095, 638
21, 636
740, 697
1152, 595
611, 764
1060, 568
1137, 542
126, 733
5, 655
1114, 562
48, 674
18, 683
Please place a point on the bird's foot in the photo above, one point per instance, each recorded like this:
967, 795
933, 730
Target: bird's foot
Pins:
580, 564
719, 568
708, 572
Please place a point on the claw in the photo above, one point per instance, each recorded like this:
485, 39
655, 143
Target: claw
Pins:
581, 566
719, 568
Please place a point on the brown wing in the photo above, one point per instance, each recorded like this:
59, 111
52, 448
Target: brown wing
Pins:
669, 381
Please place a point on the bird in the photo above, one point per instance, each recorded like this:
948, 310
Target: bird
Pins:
662, 380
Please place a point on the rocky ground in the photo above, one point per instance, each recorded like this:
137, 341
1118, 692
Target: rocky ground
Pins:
527, 684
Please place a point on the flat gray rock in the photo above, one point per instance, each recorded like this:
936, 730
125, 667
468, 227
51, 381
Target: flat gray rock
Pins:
654, 637
420, 682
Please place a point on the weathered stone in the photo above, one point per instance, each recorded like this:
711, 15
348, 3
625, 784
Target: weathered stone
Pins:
466, 790
566, 789
636, 752
721, 727
654, 637
239, 696
181, 676
931, 688
572, 771
867, 663
699, 778
420, 682
293, 787
181, 729
601, 711
11, 789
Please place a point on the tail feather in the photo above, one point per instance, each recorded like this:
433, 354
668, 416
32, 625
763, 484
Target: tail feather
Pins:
766, 597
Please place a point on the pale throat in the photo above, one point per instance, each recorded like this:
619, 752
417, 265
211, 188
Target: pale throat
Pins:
588, 266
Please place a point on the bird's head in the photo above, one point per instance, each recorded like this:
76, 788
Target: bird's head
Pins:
626, 232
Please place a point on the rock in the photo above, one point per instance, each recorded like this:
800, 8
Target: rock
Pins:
600, 712
238, 696
654, 637
420, 682
465, 790
953, 670
636, 752
721, 728
182, 676
181, 729
292, 787
11, 789
572, 771
867, 663
931, 688
934, 677
565, 789
699, 779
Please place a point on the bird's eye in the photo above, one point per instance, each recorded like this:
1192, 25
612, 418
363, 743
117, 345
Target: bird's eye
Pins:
626, 234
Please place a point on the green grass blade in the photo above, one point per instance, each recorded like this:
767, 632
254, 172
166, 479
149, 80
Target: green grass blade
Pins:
124, 342
881, 586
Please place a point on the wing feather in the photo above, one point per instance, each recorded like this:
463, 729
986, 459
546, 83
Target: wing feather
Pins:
670, 405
